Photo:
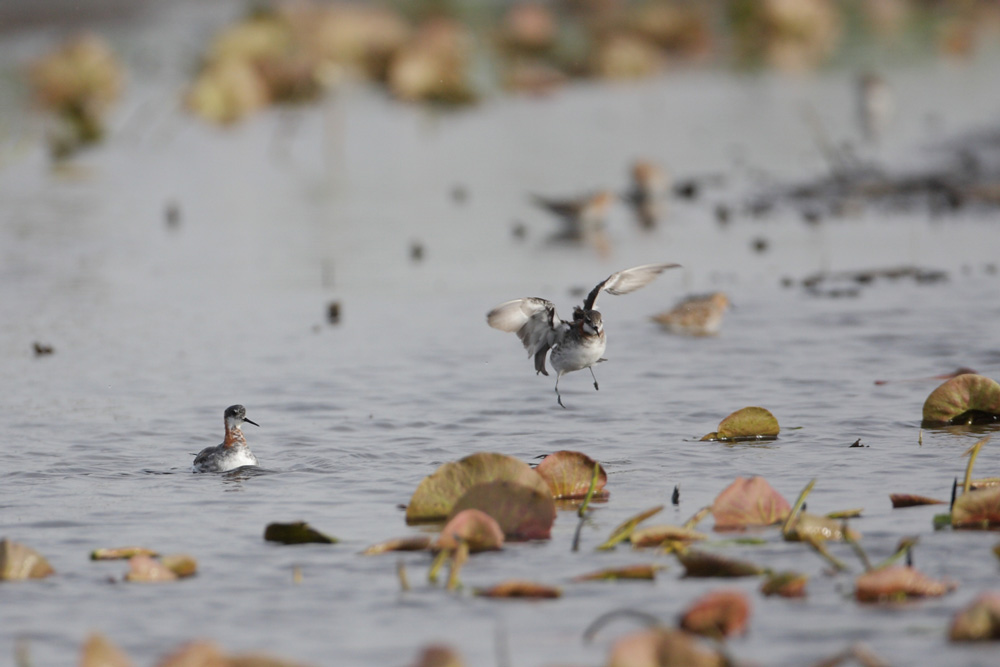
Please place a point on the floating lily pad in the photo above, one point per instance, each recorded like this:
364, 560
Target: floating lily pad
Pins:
644, 571
750, 423
524, 513
439, 656
624, 530
785, 584
148, 570
897, 583
663, 647
516, 588
121, 553
749, 502
912, 500
436, 495
477, 529
298, 532
656, 536
98, 651
20, 562
806, 527
205, 654
569, 473
980, 621
966, 399
718, 614
412, 543
704, 564
977, 509
180, 564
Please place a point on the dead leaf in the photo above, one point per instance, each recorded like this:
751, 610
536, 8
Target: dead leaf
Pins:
704, 564
98, 651
979, 621
515, 588
412, 543
645, 571
298, 532
749, 502
19, 562
911, 500
717, 615
898, 583
569, 473
785, 584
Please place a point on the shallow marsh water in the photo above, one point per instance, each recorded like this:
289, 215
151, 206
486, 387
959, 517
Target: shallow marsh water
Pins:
157, 329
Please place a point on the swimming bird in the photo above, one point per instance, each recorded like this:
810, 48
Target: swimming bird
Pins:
650, 186
233, 452
576, 344
582, 218
699, 315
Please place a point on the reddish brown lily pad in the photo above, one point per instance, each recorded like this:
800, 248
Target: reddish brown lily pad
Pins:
437, 494
785, 584
569, 473
655, 536
121, 553
718, 614
896, 583
207, 654
806, 527
20, 562
439, 656
980, 621
477, 529
912, 500
663, 647
645, 571
98, 651
977, 509
750, 423
749, 502
412, 543
704, 564
524, 513
148, 570
965, 399
516, 588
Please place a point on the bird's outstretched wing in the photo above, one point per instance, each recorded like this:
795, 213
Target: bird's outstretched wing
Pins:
626, 281
535, 322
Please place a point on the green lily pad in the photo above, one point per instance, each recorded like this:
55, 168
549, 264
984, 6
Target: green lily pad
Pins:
523, 512
436, 495
568, 474
966, 399
749, 502
977, 509
750, 423
121, 553
980, 621
20, 562
298, 532
476, 528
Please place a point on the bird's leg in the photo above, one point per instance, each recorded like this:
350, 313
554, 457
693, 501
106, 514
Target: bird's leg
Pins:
596, 388
558, 395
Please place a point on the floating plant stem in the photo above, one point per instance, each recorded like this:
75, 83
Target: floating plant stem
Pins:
457, 561
903, 548
598, 623
404, 581
973, 453
799, 502
439, 561
820, 547
857, 548
590, 492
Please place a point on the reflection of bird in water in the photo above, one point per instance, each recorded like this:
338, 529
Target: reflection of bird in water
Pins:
696, 315
577, 344
875, 105
583, 218
650, 184
233, 452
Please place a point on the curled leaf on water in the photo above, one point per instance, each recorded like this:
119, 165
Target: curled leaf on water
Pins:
412, 543
437, 494
568, 474
523, 512
99, 651
664, 535
645, 571
854, 513
516, 588
625, 529
180, 564
704, 564
785, 584
912, 500
966, 399
808, 527
477, 529
19, 562
663, 647
898, 583
148, 570
717, 615
979, 621
438, 655
297, 532
121, 553
977, 509
750, 423
749, 502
